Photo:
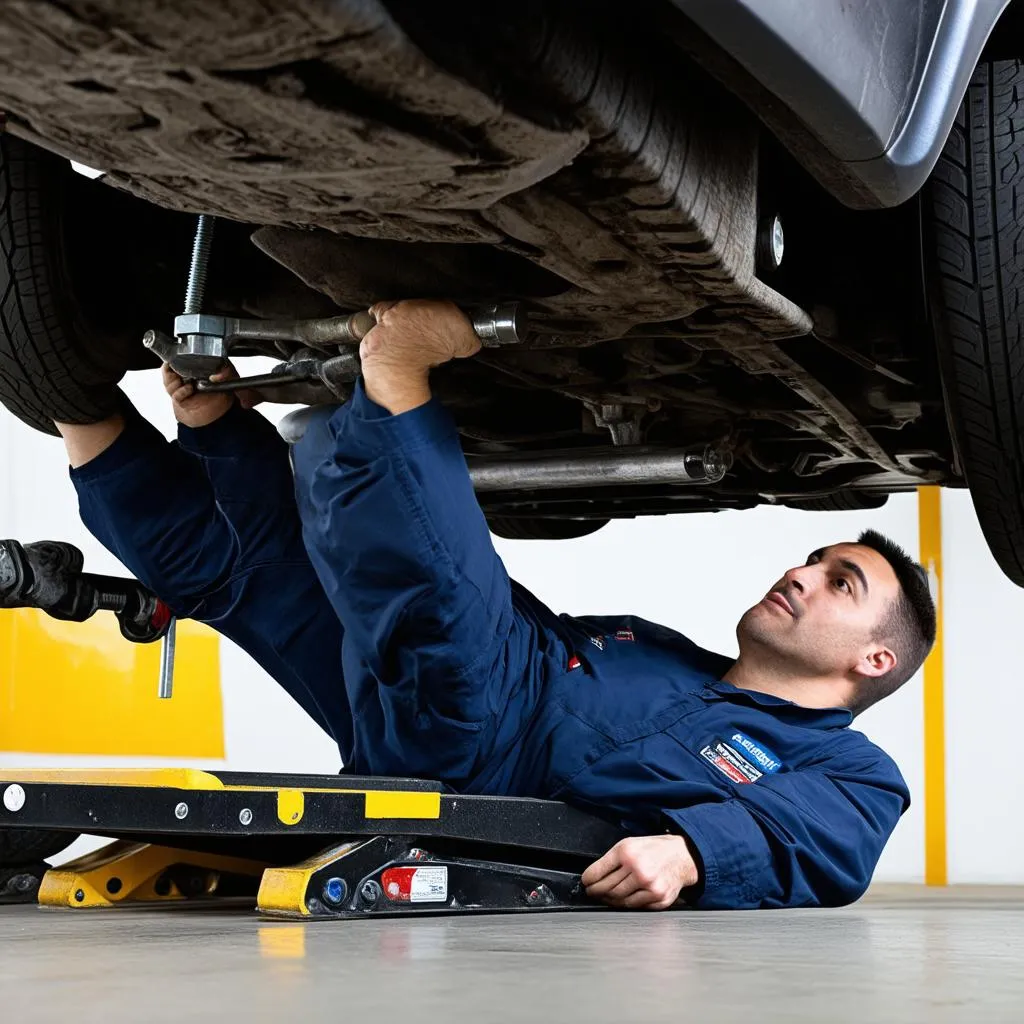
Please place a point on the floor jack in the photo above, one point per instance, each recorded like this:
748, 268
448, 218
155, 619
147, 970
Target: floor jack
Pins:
337, 846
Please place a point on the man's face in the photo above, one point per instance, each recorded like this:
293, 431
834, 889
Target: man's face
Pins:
822, 617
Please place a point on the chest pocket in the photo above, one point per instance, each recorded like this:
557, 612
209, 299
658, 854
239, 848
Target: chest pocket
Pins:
625, 702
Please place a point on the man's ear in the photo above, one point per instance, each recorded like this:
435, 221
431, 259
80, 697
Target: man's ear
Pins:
875, 662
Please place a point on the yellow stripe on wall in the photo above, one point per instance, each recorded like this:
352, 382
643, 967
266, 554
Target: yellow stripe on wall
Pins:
81, 688
929, 510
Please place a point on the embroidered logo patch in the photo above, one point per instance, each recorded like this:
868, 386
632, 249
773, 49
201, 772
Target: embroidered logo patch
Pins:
625, 635
740, 758
598, 642
574, 662
766, 760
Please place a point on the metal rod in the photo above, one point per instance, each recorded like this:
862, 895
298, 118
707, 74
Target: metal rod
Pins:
167, 662
261, 380
200, 262
703, 465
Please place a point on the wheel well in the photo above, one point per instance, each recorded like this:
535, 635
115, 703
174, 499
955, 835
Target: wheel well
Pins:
1006, 40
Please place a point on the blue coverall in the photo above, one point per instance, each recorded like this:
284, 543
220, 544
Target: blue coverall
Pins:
368, 587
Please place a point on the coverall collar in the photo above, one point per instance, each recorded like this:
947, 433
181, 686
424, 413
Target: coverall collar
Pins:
821, 718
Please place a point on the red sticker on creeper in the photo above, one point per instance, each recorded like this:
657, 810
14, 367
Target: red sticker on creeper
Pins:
415, 884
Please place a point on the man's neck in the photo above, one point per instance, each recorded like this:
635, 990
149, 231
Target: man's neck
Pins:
807, 691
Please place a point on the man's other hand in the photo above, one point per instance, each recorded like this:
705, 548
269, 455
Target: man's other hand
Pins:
642, 871
196, 409
409, 340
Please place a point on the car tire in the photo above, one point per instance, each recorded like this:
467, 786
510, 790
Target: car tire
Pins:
513, 528
840, 501
975, 220
29, 846
53, 364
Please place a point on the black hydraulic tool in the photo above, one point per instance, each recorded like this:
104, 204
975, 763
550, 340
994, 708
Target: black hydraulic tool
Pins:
327, 354
48, 575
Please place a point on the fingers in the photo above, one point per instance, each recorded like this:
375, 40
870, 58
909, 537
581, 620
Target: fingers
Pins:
627, 884
636, 873
630, 893
182, 390
644, 899
227, 373
609, 883
177, 387
602, 867
378, 309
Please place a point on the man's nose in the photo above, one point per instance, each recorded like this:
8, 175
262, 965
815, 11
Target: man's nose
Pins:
799, 578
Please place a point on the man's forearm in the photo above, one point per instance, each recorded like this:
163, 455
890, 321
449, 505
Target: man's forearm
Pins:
85, 441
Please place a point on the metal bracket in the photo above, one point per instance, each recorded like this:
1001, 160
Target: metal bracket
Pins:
399, 875
125, 872
620, 419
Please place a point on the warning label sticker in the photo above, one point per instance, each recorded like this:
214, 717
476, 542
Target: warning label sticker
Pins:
415, 884
429, 885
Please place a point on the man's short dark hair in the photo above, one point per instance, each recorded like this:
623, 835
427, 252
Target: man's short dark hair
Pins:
908, 626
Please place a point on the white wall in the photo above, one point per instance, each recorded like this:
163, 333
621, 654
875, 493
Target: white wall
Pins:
984, 623
697, 574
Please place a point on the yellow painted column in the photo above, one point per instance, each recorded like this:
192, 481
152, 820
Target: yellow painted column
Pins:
935, 849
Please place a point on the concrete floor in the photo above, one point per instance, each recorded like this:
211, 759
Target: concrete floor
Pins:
901, 954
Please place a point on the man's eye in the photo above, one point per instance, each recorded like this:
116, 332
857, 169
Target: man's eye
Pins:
843, 583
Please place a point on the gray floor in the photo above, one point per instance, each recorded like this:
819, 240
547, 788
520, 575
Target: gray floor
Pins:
902, 954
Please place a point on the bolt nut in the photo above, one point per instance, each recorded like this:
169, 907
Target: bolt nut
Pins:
541, 896
181, 811
245, 816
335, 890
370, 892
771, 244
79, 896
14, 798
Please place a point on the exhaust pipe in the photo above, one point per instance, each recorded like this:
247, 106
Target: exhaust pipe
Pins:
703, 465
618, 468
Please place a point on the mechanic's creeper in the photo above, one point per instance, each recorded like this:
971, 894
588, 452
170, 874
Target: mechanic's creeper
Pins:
48, 575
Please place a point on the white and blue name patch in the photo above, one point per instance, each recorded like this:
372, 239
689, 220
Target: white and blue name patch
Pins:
765, 759
740, 758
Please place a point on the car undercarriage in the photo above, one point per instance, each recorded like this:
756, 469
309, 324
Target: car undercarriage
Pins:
687, 283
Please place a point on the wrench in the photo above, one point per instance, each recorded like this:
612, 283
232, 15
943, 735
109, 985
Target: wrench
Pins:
203, 341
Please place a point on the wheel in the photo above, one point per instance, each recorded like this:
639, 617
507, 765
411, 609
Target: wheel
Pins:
29, 846
512, 528
976, 207
840, 501
60, 351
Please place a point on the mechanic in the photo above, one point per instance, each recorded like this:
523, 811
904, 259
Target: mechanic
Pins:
367, 585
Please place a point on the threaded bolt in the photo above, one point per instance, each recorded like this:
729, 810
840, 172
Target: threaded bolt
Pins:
200, 263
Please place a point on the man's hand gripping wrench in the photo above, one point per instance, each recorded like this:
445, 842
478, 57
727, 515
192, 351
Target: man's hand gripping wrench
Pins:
203, 343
